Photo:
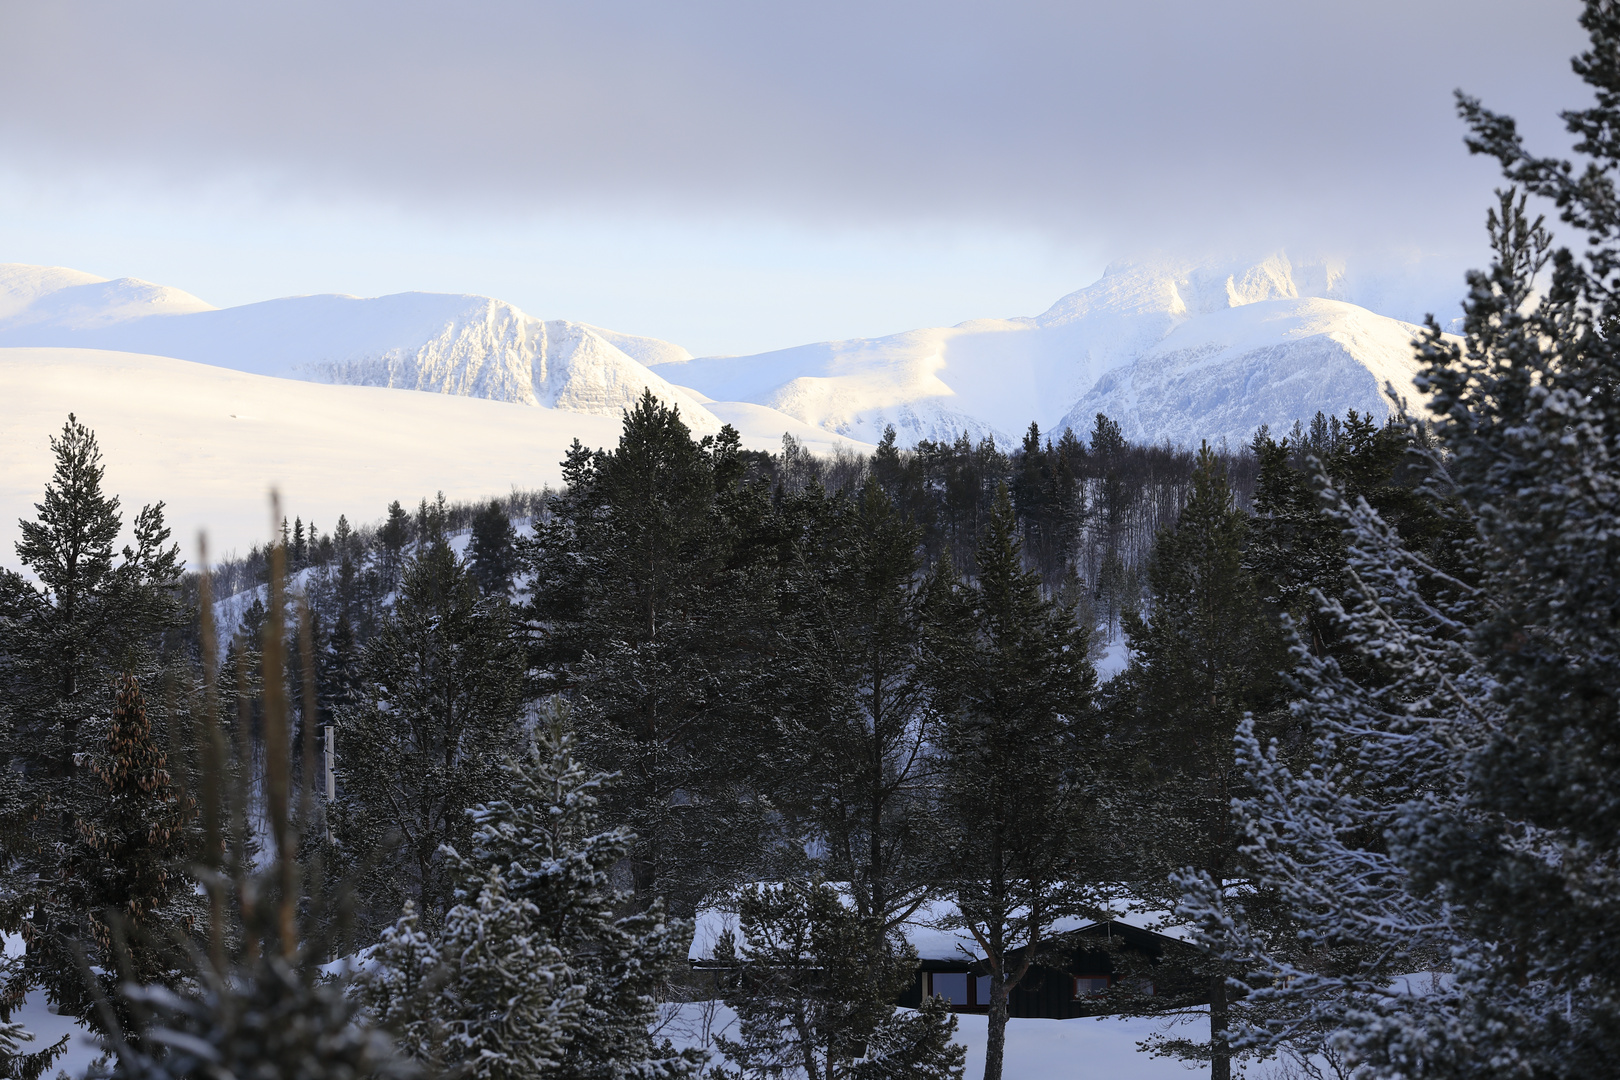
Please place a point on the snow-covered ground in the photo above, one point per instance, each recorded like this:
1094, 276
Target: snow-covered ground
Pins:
1104, 1047
212, 442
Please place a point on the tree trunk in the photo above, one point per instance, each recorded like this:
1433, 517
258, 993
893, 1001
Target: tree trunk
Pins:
996, 1042
1220, 1053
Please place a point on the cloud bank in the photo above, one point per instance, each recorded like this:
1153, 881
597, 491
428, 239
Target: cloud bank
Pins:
1160, 123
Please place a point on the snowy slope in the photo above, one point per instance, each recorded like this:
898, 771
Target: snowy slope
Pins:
212, 441
1103, 1047
58, 298
993, 376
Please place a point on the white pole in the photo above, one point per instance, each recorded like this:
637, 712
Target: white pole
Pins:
331, 763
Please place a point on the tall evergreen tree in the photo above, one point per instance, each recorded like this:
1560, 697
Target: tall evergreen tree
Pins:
654, 599
394, 535
1460, 806
857, 729
423, 737
1208, 652
493, 550
91, 614
131, 856
1010, 675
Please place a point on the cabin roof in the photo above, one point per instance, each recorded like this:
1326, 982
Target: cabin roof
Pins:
930, 933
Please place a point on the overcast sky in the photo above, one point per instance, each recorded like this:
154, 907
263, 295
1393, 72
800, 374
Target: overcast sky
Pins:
740, 176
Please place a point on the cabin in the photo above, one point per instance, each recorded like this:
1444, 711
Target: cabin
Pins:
1093, 969
1087, 967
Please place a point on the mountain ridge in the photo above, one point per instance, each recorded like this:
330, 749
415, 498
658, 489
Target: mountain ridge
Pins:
1152, 342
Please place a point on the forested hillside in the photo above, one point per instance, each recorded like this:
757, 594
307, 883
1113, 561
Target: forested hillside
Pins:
444, 794
752, 667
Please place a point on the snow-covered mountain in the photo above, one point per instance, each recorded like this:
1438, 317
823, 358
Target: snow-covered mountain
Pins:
470, 346
1172, 350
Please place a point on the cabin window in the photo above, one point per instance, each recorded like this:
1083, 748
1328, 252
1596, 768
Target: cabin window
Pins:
950, 985
959, 988
1090, 985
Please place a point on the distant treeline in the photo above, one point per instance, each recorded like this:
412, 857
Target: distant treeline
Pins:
1088, 511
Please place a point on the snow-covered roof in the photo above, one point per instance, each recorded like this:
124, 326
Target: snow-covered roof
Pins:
931, 930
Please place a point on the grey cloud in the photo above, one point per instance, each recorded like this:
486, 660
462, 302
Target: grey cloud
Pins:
1158, 121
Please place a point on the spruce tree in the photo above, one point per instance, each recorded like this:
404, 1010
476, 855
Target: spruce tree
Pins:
493, 550
1009, 674
132, 853
537, 974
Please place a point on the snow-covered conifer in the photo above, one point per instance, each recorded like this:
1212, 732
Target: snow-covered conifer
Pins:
537, 975
1460, 810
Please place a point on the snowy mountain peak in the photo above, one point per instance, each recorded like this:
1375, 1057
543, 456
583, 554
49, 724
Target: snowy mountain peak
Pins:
1173, 349
1157, 343
1182, 288
56, 296
469, 346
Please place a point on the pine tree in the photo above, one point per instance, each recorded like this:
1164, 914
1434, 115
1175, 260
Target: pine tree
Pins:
91, 615
424, 735
1207, 653
1010, 675
856, 721
394, 535
654, 591
493, 550
813, 983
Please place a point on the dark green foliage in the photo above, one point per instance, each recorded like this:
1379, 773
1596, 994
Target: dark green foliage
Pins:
1297, 549
423, 736
813, 983
654, 597
1207, 653
92, 615
394, 535
857, 730
133, 848
493, 551
1008, 672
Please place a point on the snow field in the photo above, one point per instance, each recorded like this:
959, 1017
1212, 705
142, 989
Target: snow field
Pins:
213, 442
1101, 1047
